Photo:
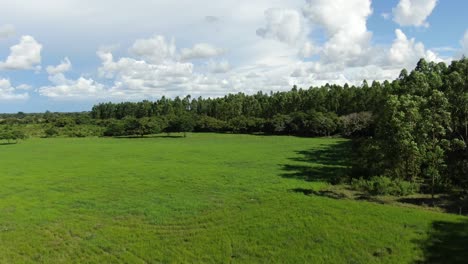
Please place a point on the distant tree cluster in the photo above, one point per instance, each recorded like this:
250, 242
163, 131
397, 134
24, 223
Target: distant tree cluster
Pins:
10, 135
311, 112
413, 129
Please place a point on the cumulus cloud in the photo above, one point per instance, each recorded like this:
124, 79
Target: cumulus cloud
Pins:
137, 78
24, 87
285, 25
413, 12
464, 44
8, 92
131, 78
81, 88
23, 56
154, 50
308, 50
300, 72
64, 88
64, 66
308, 43
7, 31
128, 66
406, 52
345, 22
201, 51
219, 67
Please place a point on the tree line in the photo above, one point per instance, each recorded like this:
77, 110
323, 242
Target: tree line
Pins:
412, 130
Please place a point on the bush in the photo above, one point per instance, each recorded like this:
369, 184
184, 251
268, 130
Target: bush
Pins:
114, 129
210, 124
51, 132
381, 185
12, 134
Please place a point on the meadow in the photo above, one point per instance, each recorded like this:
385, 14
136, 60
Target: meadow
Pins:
207, 198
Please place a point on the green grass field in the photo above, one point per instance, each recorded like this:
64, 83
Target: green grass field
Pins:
207, 198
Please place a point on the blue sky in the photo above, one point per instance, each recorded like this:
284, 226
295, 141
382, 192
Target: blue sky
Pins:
66, 55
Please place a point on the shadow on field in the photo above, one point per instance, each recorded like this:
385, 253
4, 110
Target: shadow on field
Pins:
150, 136
328, 164
324, 193
8, 143
447, 243
449, 203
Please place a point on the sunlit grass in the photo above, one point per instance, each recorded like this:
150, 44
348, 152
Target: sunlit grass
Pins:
206, 198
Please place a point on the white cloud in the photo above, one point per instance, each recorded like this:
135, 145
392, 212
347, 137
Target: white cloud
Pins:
219, 67
345, 22
23, 56
307, 43
7, 31
385, 16
300, 72
64, 66
308, 50
131, 78
24, 87
201, 51
285, 25
8, 92
155, 50
64, 88
137, 78
464, 44
413, 12
406, 52
128, 66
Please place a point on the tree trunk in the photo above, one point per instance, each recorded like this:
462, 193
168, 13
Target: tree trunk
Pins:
432, 190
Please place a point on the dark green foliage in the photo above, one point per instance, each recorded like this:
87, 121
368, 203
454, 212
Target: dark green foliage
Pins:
210, 124
306, 112
421, 130
64, 122
244, 124
381, 185
279, 124
9, 134
51, 132
182, 123
132, 126
114, 128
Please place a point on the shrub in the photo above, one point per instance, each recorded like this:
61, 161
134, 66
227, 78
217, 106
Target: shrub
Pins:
51, 132
114, 129
381, 185
210, 124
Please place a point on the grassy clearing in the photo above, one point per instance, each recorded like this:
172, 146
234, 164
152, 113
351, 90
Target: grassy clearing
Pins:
205, 198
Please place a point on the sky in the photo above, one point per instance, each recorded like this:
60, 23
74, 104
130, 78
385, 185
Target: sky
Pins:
67, 55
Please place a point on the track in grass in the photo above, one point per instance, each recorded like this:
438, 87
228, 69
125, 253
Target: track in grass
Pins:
205, 198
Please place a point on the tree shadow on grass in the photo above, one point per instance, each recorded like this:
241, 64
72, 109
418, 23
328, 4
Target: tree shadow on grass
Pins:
8, 143
324, 193
332, 155
450, 203
149, 136
447, 243
328, 164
